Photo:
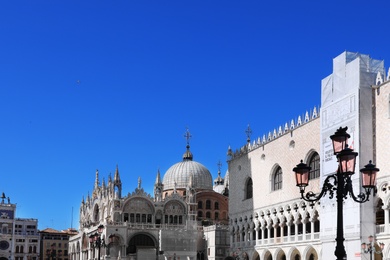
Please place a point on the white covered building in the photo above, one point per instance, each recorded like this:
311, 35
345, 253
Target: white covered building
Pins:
268, 218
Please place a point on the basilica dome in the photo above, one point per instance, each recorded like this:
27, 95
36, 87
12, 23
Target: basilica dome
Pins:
187, 172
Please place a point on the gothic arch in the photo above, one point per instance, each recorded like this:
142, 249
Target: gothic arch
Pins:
280, 254
310, 253
256, 256
267, 255
293, 253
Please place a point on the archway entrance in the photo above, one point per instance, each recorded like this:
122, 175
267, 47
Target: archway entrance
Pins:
3, 258
142, 246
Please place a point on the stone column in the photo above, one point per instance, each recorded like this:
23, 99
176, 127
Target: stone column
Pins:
289, 231
386, 210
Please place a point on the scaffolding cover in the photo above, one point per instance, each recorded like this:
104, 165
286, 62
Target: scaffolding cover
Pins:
178, 240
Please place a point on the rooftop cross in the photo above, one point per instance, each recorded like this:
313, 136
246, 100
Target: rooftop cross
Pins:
248, 132
219, 166
187, 136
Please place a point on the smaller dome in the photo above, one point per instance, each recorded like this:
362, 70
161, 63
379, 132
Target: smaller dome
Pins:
219, 188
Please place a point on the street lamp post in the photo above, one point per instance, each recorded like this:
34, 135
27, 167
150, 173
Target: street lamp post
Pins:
370, 247
96, 241
339, 182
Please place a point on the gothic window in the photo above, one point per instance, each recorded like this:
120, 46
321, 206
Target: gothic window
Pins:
96, 214
200, 205
208, 204
249, 189
277, 179
317, 226
216, 205
314, 163
380, 213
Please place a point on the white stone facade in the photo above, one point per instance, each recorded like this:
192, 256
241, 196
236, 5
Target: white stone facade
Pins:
272, 221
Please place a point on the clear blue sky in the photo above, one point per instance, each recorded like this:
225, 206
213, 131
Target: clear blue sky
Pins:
87, 85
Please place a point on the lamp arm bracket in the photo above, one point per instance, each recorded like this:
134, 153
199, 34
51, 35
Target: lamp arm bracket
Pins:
361, 197
327, 187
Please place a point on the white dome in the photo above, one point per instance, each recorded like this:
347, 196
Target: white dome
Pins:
180, 173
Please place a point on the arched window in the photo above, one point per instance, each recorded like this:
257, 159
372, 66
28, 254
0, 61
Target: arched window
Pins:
216, 205
314, 163
208, 204
200, 205
96, 213
278, 179
249, 189
208, 214
216, 215
380, 213
200, 214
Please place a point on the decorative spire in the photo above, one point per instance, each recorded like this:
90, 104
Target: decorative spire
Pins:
248, 132
187, 156
97, 179
139, 182
158, 179
117, 178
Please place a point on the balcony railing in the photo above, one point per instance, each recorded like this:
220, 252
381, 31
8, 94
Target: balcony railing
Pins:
280, 240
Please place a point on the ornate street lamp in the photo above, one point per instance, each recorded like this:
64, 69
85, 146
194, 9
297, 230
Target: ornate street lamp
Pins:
96, 241
370, 247
339, 182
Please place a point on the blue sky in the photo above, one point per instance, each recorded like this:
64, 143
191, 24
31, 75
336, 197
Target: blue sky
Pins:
87, 85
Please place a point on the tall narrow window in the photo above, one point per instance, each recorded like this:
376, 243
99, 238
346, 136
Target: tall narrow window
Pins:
314, 163
216, 205
208, 204
249, 189
200, 205
380, 213
278, 179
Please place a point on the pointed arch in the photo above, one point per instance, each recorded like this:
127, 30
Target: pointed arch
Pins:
277, 178
313, 161
248, 188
